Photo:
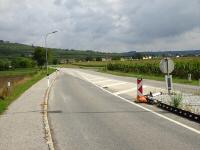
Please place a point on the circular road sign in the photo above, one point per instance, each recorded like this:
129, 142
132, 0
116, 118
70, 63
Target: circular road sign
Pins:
166, 65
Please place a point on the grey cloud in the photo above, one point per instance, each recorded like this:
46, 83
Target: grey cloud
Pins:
115, 25
168, 20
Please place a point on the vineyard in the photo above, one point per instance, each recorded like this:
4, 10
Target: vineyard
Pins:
183, 66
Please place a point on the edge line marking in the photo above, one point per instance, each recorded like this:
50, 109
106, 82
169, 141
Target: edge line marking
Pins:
155, 113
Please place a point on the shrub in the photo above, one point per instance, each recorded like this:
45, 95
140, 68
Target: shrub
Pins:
23, 63
176, 100
4, 64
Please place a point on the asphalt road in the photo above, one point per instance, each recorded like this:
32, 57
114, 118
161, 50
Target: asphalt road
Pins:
84, 117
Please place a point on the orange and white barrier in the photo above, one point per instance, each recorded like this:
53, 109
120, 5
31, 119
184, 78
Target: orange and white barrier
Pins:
140, 97
139, 87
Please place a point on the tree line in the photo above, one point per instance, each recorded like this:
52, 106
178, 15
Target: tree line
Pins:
38, 59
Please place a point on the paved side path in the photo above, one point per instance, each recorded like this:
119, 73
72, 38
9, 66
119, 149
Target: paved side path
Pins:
21, 126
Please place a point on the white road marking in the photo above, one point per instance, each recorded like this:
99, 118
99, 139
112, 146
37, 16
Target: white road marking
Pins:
102, 81
128, 90
115, 84
94, 79
125, 91
160, 115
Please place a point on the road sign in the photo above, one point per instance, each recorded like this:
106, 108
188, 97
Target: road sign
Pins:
166, 65
168, 79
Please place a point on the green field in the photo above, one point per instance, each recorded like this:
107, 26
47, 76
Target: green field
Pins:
183, 66
19, 72
34, 76
93, 64
149, 69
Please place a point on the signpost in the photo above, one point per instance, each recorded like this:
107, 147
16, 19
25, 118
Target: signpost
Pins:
9, 84
8, 88
167, 66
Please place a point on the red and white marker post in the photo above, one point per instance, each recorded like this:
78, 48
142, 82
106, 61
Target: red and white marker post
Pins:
140, 97
139, 87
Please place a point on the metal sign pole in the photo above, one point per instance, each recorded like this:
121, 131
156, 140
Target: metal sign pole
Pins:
168, 77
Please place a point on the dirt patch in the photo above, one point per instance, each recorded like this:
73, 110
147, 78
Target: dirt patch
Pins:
14, 80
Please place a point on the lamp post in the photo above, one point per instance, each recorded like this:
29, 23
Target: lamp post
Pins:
47, 54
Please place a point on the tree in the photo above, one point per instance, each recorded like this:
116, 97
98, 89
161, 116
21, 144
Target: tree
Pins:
116, 58
55, 61
88, 58
4, 64
138, 56
40, 56
98, 59
22, 62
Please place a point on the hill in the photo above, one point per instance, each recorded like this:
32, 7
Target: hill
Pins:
164, 53
11, 50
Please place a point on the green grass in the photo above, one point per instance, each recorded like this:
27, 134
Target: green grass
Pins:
67, 66
131, 74
21, 88
150, 76
19, 72
176, 100
96, 68
101, 66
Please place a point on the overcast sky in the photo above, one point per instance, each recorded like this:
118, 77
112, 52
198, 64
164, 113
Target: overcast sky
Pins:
105, 25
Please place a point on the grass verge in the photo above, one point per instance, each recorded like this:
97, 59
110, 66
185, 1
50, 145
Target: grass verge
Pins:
150, 77
101, 68
21, 88
19, 72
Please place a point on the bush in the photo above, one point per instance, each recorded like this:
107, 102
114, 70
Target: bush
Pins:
98, 59
4, 64
55, 61
176, 100
23, 63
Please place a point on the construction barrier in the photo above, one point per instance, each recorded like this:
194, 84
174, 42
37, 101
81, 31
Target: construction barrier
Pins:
140, 97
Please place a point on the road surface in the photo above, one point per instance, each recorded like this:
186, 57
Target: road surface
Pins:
85, 117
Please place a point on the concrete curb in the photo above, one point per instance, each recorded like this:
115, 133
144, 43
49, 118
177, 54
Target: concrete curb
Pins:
47, 129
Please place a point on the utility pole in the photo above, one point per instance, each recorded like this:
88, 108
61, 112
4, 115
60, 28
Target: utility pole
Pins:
47, 71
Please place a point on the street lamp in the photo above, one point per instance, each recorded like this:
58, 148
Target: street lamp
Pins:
47, 53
